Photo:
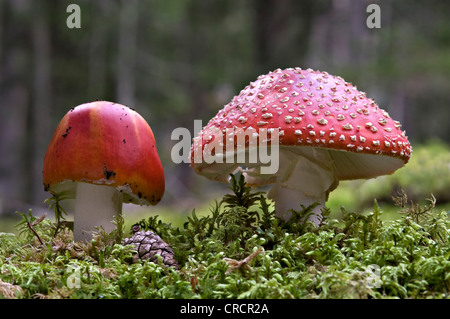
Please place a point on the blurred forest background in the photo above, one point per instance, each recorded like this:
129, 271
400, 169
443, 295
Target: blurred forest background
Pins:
179, 60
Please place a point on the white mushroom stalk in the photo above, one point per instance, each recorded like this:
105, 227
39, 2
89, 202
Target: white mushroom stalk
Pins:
95, 206
305, 177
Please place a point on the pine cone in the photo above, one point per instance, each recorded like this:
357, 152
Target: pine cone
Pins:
148, 245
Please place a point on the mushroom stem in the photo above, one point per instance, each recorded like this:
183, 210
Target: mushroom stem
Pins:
287, 199
305, 177
95, 206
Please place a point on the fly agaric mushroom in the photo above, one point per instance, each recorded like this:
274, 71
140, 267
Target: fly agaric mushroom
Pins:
327, 131
103, 154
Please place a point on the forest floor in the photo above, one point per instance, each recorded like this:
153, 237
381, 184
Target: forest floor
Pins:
239, 250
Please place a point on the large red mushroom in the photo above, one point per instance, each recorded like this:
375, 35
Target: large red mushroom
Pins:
103, 154
327, 131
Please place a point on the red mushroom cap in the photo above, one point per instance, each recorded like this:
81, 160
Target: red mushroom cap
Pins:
105, 143
313, 109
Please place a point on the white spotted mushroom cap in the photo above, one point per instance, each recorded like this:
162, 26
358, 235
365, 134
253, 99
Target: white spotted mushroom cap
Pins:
312, 109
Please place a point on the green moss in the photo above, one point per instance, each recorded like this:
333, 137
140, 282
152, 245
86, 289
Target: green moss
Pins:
240, 250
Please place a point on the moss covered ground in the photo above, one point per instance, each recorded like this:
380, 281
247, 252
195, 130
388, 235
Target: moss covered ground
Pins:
239, 250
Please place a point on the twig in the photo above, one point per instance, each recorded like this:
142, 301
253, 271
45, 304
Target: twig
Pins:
30, 226
37, 221
241, 264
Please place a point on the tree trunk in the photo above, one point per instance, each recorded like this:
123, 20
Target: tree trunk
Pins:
127, 52
97, 52
41, 100
282, 27
14, 99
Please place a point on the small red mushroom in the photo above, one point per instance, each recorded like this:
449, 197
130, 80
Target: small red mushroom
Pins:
328, 131
103, 154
